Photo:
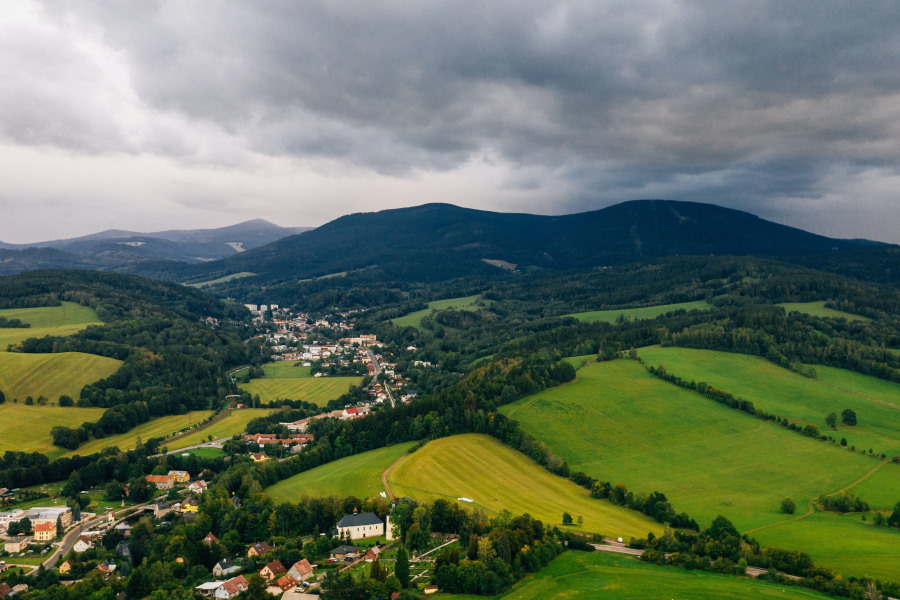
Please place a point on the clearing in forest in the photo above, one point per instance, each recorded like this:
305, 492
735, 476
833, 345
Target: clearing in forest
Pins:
637, 314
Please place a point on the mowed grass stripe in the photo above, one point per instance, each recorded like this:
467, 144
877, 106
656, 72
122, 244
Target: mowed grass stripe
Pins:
233, 424
647, 312
358, 475
51, 375
788, 394
27, 428
497, 477
618, 423
318, 390
157, 428
604, 576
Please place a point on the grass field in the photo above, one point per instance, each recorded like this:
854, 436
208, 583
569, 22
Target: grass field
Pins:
233, 424
618, 423
51, 375
358, 475
818, 309
286, 370
206, 453
785, 393
27, 428
414, 319
604, 576
636, 314
318, 390
497, 477
225, 279
156, 428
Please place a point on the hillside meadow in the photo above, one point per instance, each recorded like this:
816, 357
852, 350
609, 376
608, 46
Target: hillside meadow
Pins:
605, 576
358, 475
618, 423
27, 428
317, 390
818, 309
232, 424
414, 319
637, 314
801, 399
499, 478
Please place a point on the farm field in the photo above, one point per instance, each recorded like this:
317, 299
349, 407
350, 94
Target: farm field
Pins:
156, 428
225, 279
880, 490
233, 424
818, 309
636, 314
358, 475
286, 369
801, 399
51, 375
497, 477
318, 390
414, 319
601, 576
27, 428
618, 423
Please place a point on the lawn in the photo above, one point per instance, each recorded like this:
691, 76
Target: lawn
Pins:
636, 314
620, 424
27, 428
233, 424
317, 390
206, 453
286, 370
497, 477
818, 309
414, 319
801, 399
358, 475
601, 576
157, 428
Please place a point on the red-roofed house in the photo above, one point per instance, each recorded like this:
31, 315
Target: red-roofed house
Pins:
301, 570
272, 570
162, 482
281, 585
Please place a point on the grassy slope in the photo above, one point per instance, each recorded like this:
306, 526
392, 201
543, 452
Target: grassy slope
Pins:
318, 390
497, 477
27, 428
818, 309
51, 375
782, 392
618, 423
233, 424
358, 475
414, 319
156, 428
648, 312
227, 278
602, 576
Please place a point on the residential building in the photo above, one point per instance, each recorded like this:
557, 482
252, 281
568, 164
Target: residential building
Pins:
259, 457
198, 487
45, 532
272, 570
225, 567
259, 549
190, 505
342, 552
162, 482
281, 585
17, 544
301, 571
360, 525
66, 567
210, 539
180, 476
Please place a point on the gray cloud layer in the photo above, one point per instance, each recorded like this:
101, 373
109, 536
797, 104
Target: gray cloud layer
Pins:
789, 110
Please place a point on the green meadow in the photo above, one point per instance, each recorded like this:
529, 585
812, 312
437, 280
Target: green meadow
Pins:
636, 314
414, 319
286, 370
157, 428
497, 477
604, 576
225, 279
27, 428
232, 424
318, 390
51, 375
358, 475
788, 394
818, 309
618, 423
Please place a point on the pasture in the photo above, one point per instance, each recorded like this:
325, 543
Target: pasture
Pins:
27, 428
414, 319
225, 279
637, 314
318, 390
233, 424
801, 399
358, 475
497, 477
285, 369
818, 309
601, 576
51, 375
157, 428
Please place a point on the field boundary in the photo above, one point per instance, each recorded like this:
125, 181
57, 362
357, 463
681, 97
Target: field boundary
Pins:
384, 476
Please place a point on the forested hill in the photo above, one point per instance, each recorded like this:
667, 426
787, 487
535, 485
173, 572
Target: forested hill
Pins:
441, 241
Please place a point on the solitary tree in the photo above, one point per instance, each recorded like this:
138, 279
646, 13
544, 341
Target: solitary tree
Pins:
848, 417
788, 507
831, 420
567, 519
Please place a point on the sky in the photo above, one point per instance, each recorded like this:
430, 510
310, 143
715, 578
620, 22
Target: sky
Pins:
156, 114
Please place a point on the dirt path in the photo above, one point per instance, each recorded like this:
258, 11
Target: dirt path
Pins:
810, 505
384, 476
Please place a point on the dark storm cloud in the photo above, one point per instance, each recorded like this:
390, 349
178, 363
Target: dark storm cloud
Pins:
745, 104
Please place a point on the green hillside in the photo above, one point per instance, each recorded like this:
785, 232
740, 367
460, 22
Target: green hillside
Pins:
358, 475
414, 319
801, 399
157, 428
497, 477
818, 309
232, 424
51, 375
647, 312
27, 428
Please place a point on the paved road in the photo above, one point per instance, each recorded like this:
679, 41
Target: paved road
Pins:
377, 366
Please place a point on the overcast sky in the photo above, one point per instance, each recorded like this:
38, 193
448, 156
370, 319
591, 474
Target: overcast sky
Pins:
153, 115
